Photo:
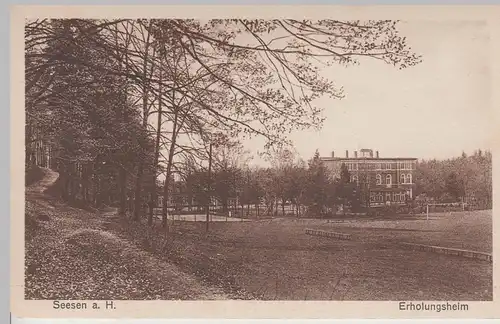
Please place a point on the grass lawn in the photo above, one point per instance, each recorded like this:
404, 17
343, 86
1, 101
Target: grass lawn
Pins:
275, 260
462, 230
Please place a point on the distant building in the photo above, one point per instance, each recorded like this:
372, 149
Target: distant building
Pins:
179, 197
383, 180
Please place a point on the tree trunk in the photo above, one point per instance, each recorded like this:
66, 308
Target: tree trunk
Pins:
85, 182
122, 180
154, 193
166, 187
122, 173
270, 208
224, 206
138, 191
28, 144
72, 183
145, 113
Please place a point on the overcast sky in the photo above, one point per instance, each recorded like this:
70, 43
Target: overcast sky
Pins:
436, 109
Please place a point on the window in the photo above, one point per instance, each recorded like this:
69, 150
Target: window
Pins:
403, 178
409, 178
354, 178
407, 165
379, 179
388, 179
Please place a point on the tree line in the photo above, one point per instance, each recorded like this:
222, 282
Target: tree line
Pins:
465, 178
309, 188
289, 186
113, 104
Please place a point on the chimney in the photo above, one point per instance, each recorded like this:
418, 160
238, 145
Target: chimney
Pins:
376, 154
333, 154
356, 154
346, 153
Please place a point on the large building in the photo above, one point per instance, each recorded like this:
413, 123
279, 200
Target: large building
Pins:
382, 180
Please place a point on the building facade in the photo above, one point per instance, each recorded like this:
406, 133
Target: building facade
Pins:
383, 181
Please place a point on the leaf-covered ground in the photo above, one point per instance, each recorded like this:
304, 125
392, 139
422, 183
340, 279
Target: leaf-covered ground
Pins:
70, 255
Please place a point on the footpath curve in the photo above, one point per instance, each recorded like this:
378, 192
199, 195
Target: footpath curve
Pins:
68, 255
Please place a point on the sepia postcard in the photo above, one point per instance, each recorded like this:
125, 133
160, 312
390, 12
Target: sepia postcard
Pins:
315, 162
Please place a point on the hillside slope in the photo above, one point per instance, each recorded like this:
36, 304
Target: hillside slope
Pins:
70, 255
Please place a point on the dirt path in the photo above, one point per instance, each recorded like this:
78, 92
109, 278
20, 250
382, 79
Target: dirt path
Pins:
40, 186
69, 255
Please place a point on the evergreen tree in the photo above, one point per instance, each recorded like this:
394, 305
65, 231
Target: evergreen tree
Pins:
320, 187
